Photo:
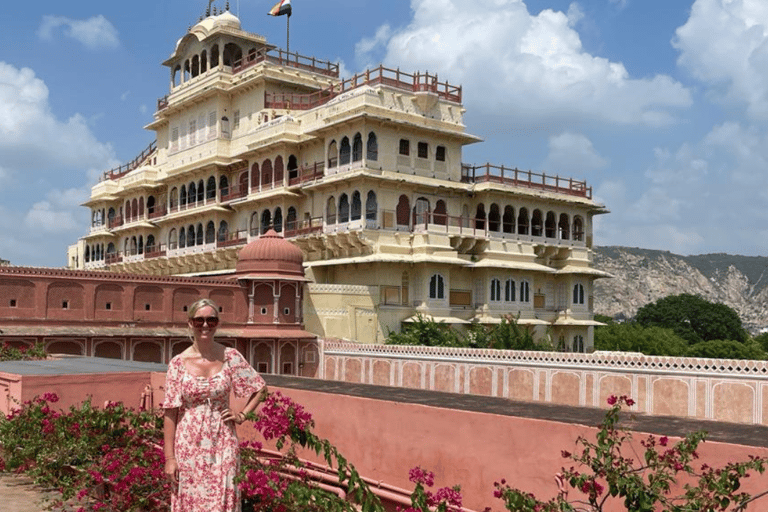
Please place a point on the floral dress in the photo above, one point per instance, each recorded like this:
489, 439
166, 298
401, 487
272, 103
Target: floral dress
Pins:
206, 448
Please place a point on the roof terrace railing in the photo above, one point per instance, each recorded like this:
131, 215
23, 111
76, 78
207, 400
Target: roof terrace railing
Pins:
417, 82
282, 58
119, 172
516, 177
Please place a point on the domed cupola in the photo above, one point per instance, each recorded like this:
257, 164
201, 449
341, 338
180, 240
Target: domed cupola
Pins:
270, 255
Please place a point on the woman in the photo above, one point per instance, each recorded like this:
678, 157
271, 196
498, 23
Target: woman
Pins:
201, 446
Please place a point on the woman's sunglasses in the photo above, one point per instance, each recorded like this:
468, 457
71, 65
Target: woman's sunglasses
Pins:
199, 321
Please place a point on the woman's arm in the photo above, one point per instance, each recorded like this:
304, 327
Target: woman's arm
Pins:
250, 405
169, 435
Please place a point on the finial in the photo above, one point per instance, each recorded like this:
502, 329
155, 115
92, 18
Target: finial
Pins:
208, 12
227, 8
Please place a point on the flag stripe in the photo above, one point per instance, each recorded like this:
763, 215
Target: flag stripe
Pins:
280, 8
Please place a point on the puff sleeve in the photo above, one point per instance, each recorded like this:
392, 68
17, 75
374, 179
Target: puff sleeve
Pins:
173, 384
245, 380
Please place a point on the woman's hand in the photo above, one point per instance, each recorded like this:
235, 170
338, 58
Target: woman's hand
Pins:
172, 470
230, 415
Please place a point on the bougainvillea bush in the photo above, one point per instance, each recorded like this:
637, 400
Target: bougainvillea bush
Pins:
110, 458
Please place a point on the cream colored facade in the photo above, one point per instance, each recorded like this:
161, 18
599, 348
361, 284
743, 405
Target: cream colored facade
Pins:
364, 175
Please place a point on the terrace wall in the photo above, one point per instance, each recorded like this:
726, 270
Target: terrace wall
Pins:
713, 389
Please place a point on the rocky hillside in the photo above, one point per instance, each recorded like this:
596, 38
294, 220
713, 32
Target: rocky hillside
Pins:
642, 276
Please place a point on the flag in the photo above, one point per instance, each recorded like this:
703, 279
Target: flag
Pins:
280, 8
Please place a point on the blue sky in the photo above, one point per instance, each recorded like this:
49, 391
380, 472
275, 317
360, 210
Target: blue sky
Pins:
662, 106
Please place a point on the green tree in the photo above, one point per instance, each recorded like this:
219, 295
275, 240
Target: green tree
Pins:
762, 340
507, 335
425, 331
692, 318
633, 337
727, 349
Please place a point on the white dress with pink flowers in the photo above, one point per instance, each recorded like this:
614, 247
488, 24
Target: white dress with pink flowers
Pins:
206, 448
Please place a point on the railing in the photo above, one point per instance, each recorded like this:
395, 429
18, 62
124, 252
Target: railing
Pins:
283, 58
418, 82
113, 258
303, 227
529, 179
231, 239
157, 212
115, 221
233, 192
306, 173
121, 171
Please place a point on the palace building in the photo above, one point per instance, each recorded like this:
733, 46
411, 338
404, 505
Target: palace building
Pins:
364, 175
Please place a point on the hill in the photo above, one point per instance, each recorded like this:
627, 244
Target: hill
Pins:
644, 275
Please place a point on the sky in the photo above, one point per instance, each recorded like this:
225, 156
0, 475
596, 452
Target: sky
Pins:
661, 106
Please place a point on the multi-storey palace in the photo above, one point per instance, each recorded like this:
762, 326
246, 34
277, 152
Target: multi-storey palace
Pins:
364, 175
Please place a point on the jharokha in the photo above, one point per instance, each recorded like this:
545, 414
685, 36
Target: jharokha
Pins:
307, 205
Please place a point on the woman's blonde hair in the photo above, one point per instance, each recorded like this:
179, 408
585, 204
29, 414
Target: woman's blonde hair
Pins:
199, 304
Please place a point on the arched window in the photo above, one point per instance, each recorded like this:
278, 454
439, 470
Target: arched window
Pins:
203, 61
330, 211
536, 223
293, 168
183, 195
578, 229
200, 191
173, 239
495, 290
525, 291
279, 171
134, 208
508, 220
550, 226
357, 206
266, 173
522, 222
290, 220
210, 192
440, 216
255, 176
150, 243
278, 220
494, 218
111, 248
126, 246
420, 211
210, 232
134, 246
333, 154
214, 56
357, 148
343, 208
190, 236
266, 221
564, 227
480, 217
191, 193
344, 151
182, 238
195, 66
372, 147
199, 234
87, 253
403, 211
509, 290
150, 205
242, 183
233, 55
223, 231
371, 206
141, 207
437, 287
128, 210
578, 294
224, 185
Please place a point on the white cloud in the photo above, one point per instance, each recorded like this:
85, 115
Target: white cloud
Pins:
42, 157
95, 32
708, 196
530, 67
32, 138
573, 154
725, 44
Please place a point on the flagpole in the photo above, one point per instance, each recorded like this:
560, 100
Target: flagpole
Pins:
288, 35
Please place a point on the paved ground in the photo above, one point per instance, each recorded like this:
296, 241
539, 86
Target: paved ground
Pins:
18, 494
